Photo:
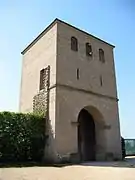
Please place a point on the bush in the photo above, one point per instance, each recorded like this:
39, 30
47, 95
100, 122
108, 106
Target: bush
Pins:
22, 137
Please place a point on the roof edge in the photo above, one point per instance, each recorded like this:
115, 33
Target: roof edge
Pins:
39, 36
83, 31
51, 25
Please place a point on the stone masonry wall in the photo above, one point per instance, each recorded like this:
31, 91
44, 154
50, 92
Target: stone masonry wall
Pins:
41, 105
40, 100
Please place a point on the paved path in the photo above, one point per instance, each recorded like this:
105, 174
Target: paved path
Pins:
87, 171
129, 162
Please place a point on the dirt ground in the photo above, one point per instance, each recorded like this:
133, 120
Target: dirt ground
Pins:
86, 171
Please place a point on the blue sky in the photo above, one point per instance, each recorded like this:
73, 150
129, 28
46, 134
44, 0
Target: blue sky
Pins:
112, 21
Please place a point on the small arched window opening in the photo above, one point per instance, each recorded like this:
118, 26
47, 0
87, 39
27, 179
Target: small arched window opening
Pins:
88, 49
74, 44
101, 55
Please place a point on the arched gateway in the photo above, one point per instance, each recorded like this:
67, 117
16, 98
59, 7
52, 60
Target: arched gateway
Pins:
90, 134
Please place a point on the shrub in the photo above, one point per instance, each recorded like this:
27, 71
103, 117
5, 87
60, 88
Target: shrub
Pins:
22, 137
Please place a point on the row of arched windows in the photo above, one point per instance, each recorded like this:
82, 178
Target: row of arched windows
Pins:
88, 47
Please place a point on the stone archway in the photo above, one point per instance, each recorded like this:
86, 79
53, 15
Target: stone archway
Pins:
91, 138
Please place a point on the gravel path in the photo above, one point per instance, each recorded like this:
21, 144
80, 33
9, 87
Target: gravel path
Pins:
92, 171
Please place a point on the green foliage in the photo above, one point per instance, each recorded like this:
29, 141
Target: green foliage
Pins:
22, 136
130, 146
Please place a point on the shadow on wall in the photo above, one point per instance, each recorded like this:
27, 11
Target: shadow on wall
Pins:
50, 154
100, 145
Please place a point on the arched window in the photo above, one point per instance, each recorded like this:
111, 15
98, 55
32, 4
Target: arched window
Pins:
74, 44
101, 55
88, 49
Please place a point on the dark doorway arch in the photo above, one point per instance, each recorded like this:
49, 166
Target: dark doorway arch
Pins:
86, 136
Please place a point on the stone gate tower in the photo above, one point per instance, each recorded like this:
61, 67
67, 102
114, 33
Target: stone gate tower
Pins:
82, 101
